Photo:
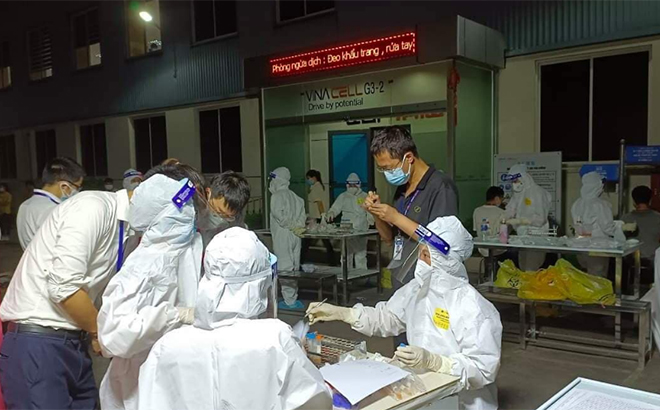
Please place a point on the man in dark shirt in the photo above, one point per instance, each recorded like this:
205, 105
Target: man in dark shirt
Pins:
423, 194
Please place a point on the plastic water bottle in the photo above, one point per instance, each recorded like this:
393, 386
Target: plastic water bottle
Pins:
484, 229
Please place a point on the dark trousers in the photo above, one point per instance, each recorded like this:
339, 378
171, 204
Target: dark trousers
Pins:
330, 252
46, 372
5, 224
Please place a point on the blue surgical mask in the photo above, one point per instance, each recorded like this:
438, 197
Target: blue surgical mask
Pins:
397, 176
310, 182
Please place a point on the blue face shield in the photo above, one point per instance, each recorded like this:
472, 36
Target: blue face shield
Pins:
397, 176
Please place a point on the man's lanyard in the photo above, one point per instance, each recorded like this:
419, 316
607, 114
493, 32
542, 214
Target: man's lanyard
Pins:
46, 196
120, 254
408, 204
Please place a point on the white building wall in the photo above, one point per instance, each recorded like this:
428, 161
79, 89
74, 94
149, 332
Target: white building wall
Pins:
519, 106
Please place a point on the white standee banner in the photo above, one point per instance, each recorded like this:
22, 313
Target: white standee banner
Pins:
544, 167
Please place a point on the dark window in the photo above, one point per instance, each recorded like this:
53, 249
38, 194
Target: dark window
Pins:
220, 140
143, 36
86, 39
565, 109
5, 65
46, 145
40, 52
94, 151
295, 9
150, 142
619, 109
214, 18
7, 157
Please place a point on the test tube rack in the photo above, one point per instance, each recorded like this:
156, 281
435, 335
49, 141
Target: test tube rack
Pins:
332, 349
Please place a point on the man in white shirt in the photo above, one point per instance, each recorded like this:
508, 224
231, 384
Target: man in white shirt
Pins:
61, 178
49, 305
492, 213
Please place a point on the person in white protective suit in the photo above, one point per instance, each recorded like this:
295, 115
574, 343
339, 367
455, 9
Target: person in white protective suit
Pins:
451, 328
349, 205
141, 303
236, 361
528, 208
592, 216
287, 214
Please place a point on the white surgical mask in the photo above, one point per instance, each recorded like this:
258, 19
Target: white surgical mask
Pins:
517, 186
423, 271
353, 190
109, 187
72, 192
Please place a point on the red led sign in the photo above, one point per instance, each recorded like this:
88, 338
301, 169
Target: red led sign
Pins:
364, 52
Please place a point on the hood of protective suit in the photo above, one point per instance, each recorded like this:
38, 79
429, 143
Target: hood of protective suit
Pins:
447, 268
153, 212
129, 175
592, 185
281, 178
237, 276
353, 178
525, 178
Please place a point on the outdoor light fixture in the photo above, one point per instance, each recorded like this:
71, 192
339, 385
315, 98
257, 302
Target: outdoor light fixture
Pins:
146, 16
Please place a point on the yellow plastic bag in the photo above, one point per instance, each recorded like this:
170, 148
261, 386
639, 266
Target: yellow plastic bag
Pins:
386, 278
509, 276
582, 288
546, 284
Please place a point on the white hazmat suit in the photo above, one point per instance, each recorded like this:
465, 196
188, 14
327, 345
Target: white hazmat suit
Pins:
139, 303
349, 205
592, 216
447, 321
287, 213
230, 359
529, 207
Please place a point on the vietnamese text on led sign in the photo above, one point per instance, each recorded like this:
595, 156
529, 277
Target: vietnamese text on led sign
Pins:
363, 52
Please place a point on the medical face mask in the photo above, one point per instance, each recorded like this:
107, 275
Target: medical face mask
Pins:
397, 176
131, 186
517, 186
423, 271
109, 187
65, 196
310, 182
272, 187
353, 190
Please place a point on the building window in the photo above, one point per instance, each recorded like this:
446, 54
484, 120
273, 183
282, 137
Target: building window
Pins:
150, 142
586, 107
214, 18
7, 157
40, 52
46, 145
143, 36
86, 39
94, 151
5, 65
296, 9
220, 139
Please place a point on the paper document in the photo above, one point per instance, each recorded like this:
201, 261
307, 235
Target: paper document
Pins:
358, 379
578, 399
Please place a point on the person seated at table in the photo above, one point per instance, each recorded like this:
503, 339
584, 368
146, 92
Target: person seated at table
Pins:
237, 361
451, 328
648, 223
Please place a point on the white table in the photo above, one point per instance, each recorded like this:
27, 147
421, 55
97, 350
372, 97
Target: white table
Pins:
608, 396
440, 395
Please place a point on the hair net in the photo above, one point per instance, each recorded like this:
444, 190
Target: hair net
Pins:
129, 175
152, 211
353, 178
592, 185
237, 276
450, 229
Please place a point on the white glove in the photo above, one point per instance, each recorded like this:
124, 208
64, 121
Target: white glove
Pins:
525, 221
329, 313
630, 227
419, 358
186, 315
329, 217
513, 221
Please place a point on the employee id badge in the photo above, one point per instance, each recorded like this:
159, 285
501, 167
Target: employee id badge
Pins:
398, 248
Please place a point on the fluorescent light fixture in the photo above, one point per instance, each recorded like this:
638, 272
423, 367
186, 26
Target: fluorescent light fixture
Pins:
144, 15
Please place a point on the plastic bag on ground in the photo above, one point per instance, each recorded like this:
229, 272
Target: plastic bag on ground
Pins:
509, 276
583, 288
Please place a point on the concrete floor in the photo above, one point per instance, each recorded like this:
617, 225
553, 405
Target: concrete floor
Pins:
527, 378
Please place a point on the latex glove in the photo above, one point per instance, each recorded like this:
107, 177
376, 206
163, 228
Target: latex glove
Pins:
525, 221
300, 232
420, 358
186, 315
329, 313
513, 221
630, 227
329, 217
